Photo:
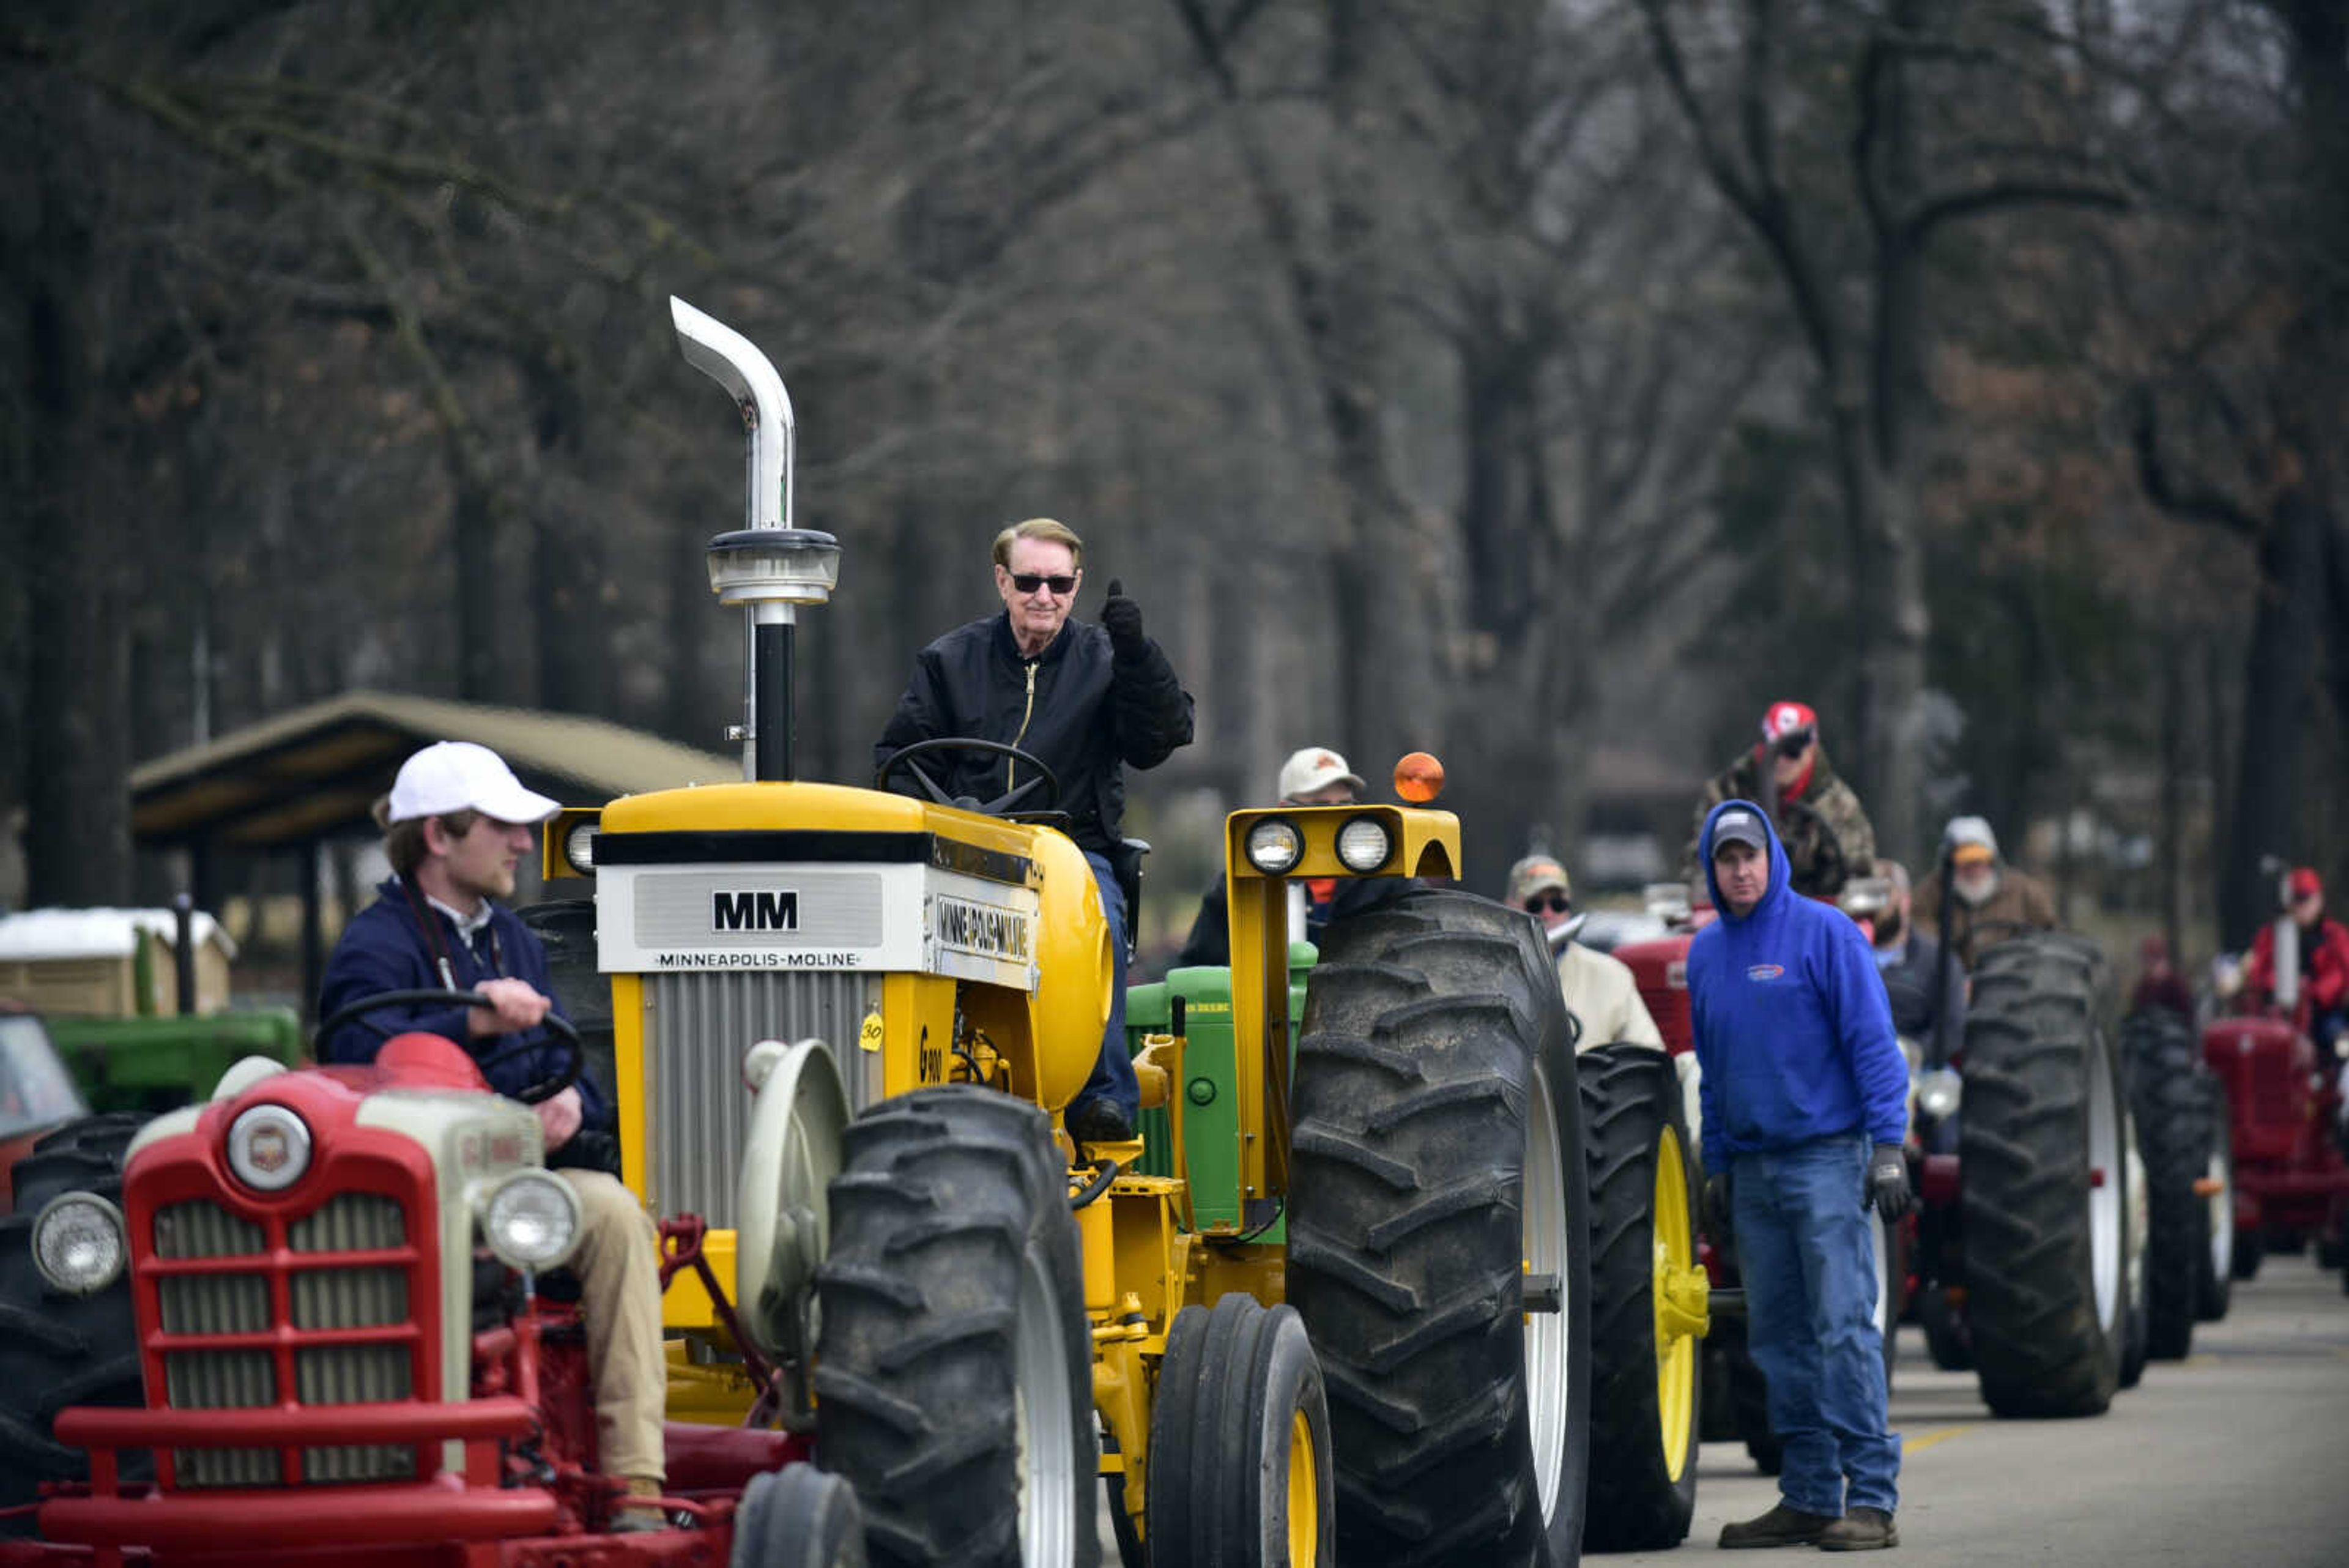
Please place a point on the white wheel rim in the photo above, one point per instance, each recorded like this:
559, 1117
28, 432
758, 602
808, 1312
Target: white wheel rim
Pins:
2105, 1240
1548, 1373
2222, 1204
1047, 1450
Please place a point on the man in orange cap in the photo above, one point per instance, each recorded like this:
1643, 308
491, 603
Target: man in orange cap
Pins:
1820, 821
1993, 901
2324, 959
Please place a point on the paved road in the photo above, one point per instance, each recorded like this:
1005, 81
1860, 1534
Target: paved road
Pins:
2237, 1456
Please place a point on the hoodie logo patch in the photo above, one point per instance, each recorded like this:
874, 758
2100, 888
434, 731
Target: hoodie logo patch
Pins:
1765, 971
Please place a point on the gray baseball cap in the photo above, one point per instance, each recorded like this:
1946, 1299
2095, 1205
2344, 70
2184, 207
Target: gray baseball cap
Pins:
1739, 827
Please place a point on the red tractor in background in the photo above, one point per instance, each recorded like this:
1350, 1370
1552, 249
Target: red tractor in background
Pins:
2283, 1106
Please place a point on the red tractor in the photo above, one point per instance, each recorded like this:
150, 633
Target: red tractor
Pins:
316, 1320
2283, 1115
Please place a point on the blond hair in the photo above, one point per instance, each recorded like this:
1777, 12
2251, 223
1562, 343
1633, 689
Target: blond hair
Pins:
1045, 528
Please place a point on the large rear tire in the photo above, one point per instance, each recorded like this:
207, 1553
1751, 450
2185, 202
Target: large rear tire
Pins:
954, 1386
1438, 1165
1240, 1442
2043, 1181
2166, 1090
1647, 1295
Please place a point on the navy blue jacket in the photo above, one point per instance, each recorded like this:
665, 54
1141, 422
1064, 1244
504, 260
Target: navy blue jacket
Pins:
385, 948
1090, 715
1793, 1030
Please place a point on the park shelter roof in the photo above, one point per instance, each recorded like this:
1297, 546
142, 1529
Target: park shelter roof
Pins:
318, 770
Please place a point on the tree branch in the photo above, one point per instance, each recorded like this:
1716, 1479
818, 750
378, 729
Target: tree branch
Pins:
1932, 212
2198, 504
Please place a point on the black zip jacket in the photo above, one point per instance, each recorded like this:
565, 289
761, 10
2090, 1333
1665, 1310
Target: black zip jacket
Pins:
1084, 713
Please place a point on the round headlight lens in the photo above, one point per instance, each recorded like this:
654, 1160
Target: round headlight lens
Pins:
579, 847
1938, 1093
531, 1220
1273, 846
1363, 844
268, 1147
77, 1242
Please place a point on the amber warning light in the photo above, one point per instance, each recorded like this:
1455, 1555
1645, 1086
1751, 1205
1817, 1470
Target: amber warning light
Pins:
1419, 777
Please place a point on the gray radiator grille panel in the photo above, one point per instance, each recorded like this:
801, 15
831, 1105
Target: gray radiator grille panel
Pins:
349, 1298
373, 1462
201, 1230
220, 1379
697, 1024
349, 1222
228, 1467
215, 1304
350, 1374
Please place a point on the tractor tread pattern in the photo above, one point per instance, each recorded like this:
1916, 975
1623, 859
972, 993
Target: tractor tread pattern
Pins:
945, 1195
2031, 1038
1405, 1233
2174, 1135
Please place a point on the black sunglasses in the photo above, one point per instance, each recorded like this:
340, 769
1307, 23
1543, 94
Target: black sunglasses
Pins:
1028, 582
1795, 745
1555, 902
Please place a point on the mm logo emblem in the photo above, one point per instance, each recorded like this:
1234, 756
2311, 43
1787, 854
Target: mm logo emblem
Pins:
758, 911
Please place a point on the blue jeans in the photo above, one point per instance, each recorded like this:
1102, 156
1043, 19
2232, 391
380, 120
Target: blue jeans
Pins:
1113, 1078
1809, 1265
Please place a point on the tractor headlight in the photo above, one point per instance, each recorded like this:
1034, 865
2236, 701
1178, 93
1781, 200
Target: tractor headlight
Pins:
1273, 846
530, 1220
1364, 845
1938, 1093
268, 1147
579, 846
77, 1242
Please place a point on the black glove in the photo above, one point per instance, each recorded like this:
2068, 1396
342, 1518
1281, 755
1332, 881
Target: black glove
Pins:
1718, 1212
1888, 1182
1122, 618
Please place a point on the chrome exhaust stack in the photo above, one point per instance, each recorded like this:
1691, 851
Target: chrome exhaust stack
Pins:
767, 565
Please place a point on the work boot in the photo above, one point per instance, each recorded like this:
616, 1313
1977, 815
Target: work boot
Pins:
1861, 1529
1782, 1526
639, 1510
1098, 1121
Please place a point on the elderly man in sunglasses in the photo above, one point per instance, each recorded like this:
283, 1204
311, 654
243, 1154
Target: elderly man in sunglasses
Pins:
1088, 701
1820, 822
1598, 987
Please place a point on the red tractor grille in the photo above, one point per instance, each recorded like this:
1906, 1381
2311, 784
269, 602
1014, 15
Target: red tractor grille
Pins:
248, 1306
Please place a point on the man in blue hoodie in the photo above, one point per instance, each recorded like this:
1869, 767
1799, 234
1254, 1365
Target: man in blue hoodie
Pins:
1805, 1099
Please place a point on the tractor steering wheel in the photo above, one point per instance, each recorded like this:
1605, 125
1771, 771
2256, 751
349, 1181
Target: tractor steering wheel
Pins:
906, 760
1829, 869
565, 1075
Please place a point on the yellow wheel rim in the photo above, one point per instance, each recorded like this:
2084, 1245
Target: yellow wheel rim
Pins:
1304, 1495
1679, 1290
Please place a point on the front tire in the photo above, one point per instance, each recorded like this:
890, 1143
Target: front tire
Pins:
954, 1364
2214, 1279
1438, 1165
798, 1516
2173, 1125
1647, 1293
1240, 1442
2046, 1244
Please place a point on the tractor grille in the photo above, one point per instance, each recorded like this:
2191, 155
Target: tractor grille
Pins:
325, 1304
696, 1027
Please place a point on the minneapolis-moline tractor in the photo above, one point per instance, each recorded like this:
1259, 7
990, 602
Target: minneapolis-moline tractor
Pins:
1338, 1310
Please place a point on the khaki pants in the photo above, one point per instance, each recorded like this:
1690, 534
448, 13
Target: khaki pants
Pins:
619, 1276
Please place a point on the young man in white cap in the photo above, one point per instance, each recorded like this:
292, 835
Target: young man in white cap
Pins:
456, 825
1313, 776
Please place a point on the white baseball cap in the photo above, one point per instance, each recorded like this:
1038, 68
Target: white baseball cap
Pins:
457, 775
1315, 767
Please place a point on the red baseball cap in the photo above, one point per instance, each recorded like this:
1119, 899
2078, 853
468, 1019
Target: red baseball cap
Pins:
1786, 719
2306, 883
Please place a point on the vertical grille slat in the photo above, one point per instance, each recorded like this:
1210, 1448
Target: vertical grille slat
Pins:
696, 1025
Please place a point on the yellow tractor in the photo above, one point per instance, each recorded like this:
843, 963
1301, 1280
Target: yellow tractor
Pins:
1336, 1310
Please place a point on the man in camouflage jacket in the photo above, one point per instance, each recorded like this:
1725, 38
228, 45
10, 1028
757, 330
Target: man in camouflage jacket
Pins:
1819, 820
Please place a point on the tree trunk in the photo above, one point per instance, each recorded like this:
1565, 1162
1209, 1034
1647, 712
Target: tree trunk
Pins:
2277, 685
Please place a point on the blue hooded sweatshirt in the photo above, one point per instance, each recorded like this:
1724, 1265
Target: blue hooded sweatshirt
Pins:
1794, 1033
